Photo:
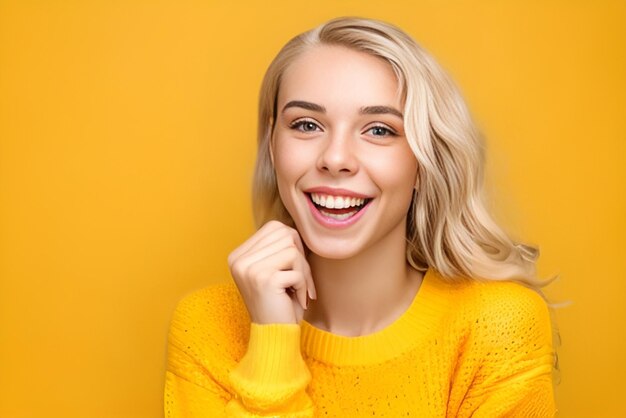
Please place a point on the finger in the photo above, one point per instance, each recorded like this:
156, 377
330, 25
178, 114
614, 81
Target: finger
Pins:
298, 311
310, 283
275, 227
280, 232
295, 280
286, 259
268, 238
303, 265
301, 293
262, 259
287, 237
257, 254
295, 235
266, 230
262, 272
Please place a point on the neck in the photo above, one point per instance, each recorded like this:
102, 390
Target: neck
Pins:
365, 293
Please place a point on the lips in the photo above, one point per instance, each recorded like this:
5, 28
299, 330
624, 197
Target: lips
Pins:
336, 202
336, 208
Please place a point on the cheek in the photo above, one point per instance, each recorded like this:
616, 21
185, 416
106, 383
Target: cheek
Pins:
290, 162
396, 173
283, 159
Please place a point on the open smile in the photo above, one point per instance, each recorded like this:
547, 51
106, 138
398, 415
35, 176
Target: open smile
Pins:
337, 211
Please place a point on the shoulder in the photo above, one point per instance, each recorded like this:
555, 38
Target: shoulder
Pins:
506, 299
505, 313
505, 356
217, 299
212, 320
488, 297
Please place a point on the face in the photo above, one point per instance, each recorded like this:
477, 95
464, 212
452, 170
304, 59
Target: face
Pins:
344, 169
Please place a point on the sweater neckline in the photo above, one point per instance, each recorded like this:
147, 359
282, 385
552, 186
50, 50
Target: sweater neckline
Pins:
420, 318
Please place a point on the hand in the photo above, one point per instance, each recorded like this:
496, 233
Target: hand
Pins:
272, 274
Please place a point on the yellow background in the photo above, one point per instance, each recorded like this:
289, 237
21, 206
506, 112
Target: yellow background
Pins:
127, 144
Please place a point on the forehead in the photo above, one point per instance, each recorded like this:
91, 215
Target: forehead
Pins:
339, 77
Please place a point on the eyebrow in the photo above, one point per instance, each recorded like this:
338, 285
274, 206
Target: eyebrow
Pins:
366, 110
305, 105
380, 110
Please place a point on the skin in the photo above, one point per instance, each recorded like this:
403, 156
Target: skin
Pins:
339, 126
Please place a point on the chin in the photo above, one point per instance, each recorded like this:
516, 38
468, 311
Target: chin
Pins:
332, 249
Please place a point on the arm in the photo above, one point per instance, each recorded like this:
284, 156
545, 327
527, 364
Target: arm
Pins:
205, 377
270, 380
514, 347
272, 377
196, 371
208, 373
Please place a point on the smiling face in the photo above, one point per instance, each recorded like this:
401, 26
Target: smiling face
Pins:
344, 169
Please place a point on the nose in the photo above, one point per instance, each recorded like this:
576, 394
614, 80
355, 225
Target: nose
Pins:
337, 156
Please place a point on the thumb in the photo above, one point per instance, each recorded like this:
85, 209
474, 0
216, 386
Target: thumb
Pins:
298, 311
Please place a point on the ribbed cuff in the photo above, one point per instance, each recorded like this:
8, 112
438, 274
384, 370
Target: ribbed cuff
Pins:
273, 354
272, 375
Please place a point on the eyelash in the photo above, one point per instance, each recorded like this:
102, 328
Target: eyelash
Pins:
298, 124
390, 132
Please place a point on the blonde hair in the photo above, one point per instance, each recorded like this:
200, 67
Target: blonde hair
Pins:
448, 227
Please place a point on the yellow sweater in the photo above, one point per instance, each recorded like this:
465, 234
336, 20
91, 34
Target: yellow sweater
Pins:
461, 349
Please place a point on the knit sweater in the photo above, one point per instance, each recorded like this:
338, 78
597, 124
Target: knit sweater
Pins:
479, 349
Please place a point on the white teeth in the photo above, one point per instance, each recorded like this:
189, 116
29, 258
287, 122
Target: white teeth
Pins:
339, 217
336, 202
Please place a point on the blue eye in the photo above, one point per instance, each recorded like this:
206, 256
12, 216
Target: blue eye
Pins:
381, 131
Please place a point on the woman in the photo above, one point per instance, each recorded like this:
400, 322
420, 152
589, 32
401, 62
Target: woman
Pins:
377, 283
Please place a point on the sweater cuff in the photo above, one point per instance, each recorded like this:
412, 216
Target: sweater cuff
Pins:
272, 373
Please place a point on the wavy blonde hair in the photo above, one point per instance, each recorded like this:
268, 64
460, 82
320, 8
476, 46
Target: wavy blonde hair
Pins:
448, 228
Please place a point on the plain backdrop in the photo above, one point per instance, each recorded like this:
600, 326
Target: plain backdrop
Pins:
127, 141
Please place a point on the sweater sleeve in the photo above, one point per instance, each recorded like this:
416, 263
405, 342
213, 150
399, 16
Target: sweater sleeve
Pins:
272, 377
514, 355
205, 378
